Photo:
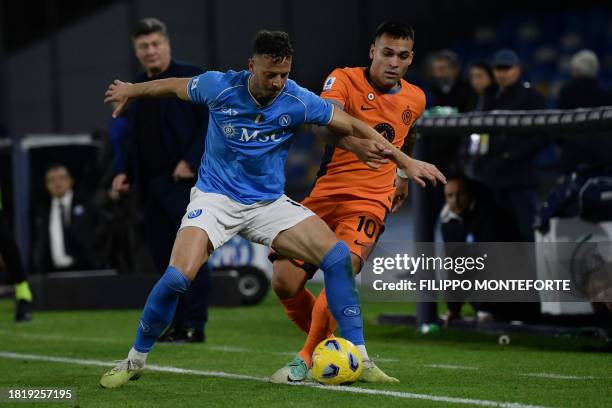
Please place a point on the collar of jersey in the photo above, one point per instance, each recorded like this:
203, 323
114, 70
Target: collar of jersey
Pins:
377, 89
260, 106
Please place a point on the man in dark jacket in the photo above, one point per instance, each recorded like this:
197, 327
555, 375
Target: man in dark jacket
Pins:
63, 238
504, 163
164, 144
448, 87
583, 90
470, 215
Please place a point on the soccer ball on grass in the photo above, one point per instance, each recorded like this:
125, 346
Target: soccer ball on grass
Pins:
336, 361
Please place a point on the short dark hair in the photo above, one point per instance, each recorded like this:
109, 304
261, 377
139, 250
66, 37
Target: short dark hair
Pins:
449, 56
273, 43
148, 26
485, 66
57, 166
395, 29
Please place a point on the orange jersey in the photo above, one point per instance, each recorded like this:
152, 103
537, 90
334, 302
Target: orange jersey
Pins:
391, 114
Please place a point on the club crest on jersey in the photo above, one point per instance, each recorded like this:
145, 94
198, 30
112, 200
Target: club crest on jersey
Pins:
370, 96
285, 120
407, 116
194, 214
329, 83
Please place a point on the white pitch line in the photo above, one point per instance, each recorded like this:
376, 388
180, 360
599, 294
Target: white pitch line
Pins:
558, 376
219, 348
228, 349
232, 376
450, 366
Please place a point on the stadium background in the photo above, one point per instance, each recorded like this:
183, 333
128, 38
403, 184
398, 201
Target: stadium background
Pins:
53, 51
57, 58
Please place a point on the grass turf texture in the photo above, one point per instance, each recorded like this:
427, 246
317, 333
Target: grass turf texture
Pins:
255, 341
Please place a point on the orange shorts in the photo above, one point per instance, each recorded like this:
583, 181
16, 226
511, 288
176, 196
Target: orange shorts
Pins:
359, 223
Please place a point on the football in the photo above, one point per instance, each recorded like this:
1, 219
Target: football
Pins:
336, 361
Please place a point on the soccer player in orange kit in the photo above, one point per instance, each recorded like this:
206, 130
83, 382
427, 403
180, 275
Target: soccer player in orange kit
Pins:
351, 197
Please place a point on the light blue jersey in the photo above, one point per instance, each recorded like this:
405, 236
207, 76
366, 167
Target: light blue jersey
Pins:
247, 144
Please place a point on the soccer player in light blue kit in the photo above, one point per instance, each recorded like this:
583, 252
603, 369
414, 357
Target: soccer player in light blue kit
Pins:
253, 117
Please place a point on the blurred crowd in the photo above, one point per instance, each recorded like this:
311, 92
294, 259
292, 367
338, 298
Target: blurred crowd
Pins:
498, 189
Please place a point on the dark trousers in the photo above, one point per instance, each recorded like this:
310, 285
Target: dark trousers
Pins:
161, 228
521, 204
11, 258
426, 203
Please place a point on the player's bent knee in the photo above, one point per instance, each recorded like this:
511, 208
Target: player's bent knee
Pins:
282, 288
285, 283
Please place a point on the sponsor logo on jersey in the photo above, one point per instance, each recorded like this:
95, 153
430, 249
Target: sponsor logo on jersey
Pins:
229, 130
329, 83
256, 136
386, 130
228, 111
367, 108
370, 96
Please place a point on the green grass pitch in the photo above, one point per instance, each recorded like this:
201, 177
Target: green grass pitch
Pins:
438, 370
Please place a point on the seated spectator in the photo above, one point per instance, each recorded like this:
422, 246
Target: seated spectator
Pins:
483, 84
448, 87
64, 227
470, 215
583, 90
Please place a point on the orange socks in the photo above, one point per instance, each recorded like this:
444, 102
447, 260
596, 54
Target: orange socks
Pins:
299, 309
322, 326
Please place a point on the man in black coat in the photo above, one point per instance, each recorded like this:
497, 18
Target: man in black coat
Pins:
583, 90
504, 163
164, 145
470, 215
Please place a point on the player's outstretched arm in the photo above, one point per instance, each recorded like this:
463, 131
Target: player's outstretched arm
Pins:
120, 94
344, 125
372, 153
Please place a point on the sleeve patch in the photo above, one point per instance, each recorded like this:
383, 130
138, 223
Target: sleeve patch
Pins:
194, 83
329, 83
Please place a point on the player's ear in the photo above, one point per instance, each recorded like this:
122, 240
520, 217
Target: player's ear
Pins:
251, 64
372, 51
